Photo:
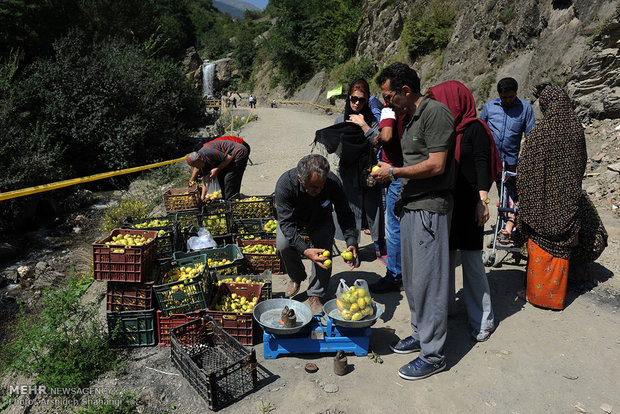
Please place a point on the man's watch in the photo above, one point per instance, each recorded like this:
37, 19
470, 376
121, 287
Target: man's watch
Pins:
485, 200
391, 174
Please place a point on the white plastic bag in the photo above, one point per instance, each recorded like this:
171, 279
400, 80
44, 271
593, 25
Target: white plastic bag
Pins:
354, 303
204, 240
214, 191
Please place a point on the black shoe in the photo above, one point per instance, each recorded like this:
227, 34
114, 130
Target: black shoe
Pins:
406, 345
384, 286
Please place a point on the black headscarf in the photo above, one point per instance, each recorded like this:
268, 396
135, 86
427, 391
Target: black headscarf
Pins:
346, 138
369, 117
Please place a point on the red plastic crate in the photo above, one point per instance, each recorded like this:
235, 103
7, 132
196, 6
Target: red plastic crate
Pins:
134, 264
258, 262
240, 325
165, 324
123, 297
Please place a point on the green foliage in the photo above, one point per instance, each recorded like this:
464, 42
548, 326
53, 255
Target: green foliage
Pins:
429, 28
311, 35
487, 84
353, 69
94, 108
125, 403
115, 215
65, 345
245, 45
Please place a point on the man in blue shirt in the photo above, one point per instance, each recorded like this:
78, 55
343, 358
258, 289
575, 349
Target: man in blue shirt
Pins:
509, 118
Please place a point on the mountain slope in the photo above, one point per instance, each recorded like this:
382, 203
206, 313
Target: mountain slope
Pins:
234, 7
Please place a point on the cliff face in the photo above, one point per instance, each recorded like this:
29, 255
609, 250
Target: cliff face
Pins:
570, 43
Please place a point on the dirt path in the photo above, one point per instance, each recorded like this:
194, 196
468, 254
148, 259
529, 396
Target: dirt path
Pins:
536, 361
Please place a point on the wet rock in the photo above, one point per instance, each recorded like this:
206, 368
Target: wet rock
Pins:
24, 272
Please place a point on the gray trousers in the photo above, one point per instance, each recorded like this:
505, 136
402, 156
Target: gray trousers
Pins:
476, 292
322, 238
425, 257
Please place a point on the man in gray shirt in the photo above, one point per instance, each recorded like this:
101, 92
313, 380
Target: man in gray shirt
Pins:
427, 178
306, 196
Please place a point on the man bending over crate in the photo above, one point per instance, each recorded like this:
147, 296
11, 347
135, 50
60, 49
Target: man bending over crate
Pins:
224, 158
306, 196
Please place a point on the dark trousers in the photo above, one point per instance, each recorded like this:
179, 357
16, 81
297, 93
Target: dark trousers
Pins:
231, 176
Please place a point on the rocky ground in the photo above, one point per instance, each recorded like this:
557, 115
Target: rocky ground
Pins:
536, 361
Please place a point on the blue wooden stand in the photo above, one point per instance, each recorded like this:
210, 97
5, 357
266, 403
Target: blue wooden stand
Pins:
317, 338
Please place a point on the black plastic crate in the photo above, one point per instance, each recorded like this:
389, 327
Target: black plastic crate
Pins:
131, 328
166, 227
218, 223
253, 207
230, 253
216, 365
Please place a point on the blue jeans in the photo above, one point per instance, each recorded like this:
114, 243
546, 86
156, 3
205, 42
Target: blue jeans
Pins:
392, 233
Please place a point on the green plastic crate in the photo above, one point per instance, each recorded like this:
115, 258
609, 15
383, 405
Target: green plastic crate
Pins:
132, 328
187, 295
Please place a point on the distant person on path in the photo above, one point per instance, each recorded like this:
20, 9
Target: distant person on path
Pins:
509, 118
427, 179
477, 164
224, 158
305, 197
254, 100
551, 170
251, 100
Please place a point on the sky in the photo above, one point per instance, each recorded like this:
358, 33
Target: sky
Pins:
258, 3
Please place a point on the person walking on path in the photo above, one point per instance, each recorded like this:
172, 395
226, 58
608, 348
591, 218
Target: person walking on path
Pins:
427, 177
305, 197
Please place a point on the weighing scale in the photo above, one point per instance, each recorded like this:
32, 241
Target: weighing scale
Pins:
315, 337
310, 335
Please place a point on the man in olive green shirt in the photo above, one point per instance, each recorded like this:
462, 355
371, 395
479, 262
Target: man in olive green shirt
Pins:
427, 178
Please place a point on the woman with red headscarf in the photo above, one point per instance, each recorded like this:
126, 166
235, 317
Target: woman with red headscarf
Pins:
477, 165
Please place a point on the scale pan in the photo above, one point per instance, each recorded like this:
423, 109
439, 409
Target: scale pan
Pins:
331, 310
267, 313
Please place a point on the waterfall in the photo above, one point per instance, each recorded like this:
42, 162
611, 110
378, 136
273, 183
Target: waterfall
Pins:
208, 70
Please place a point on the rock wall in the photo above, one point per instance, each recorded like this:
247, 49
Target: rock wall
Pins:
573, 43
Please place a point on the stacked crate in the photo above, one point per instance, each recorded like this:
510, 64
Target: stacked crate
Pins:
126, 260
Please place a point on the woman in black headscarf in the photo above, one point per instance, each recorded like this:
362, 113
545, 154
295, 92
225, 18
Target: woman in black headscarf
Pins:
356, 158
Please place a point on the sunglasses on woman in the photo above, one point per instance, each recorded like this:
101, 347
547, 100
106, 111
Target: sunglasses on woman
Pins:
355, 99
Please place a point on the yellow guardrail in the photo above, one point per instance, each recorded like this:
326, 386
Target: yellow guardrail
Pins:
60, 184
313, 104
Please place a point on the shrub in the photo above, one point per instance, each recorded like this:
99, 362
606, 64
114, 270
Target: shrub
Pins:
354, 69
115, 215
94, 108
65, 345
430, 28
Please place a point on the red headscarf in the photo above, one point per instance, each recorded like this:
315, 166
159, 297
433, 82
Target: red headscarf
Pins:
461, 103
227, 138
